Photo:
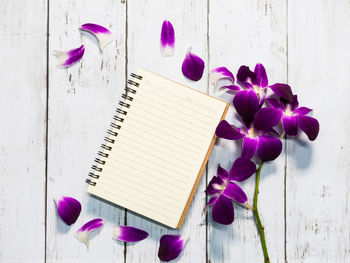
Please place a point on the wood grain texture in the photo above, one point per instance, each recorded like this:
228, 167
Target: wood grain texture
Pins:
246, 33
22, 133
82, 102
318, 173
145, 19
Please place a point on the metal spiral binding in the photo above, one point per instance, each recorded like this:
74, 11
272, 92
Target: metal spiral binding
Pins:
102, 154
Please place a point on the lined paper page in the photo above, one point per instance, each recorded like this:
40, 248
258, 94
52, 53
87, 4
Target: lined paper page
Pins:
160, 149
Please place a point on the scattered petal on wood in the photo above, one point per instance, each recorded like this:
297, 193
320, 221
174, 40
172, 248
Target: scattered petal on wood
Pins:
103, 35
68, 58
68, 209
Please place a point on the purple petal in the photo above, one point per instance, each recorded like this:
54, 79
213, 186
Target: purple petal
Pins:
228, 131
211, 201
260, 76
266, 118
309, 125
249, 147
231, 87
290, 125
167, 39
302, 111
171, 246
269, 148
275, 103
246, 103
68, 58
221, 73
247, 85
294, 103
222, 173
242, 169
129, 234
222, 211
282, 90
68, 209
103, 35
83, 233
193, 67
214, 186
244, 74
235, 192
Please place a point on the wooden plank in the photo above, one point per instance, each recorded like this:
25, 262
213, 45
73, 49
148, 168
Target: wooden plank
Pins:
245, 33
144, 25
22, 133
82, 102
318, 173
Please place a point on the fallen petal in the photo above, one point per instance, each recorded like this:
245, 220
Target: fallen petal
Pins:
128, 234
246, 103
221, 73
260, 76
282, 90
266, 118
235, 192
68, 58
269, 148
242, 169
83, 233
290, 125
228, 131
167, 39
103, 35
193, 67
309, 125
68, 209
171, 246
222, 211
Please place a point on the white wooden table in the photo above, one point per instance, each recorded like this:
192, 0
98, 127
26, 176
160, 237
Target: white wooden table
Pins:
53, 120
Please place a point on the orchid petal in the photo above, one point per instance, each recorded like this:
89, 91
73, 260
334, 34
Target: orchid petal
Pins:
221, 73
290, 125
244, 74
282, 90
83, 233
222, 211
266, 118
68, 209
309, 125
68, 58
231, 87
246, 103
302, 111
275, 103
171, 246
242, 169
294, 103
211, 201
247, 85
235, 192
128, 234
260, 76
269, 148
222, 173
249, 147
214, 186
228, 131
167, 39
103, 35
193, 67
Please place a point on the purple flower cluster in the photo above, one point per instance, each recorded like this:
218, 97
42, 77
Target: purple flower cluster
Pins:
259, 116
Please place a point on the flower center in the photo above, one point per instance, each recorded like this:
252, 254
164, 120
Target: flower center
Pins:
251, 133
288, 111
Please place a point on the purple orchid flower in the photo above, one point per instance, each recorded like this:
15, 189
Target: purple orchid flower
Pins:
224, 190
294, 117
257, 135
170, 246
251, 96
167, 39
128, 234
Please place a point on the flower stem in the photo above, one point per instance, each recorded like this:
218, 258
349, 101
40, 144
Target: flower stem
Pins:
257, 216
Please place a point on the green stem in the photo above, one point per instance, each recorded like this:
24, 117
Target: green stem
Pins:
257, 216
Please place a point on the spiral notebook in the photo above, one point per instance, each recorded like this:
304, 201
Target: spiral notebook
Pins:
157, 148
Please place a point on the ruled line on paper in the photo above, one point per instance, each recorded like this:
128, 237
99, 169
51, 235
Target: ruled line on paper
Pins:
121, 156
114, 194
138, 177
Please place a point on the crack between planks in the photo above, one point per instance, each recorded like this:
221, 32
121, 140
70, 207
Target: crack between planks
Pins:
126, 81
207, 166
47, 121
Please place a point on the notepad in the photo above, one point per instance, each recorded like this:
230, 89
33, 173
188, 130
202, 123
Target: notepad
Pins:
157, 147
